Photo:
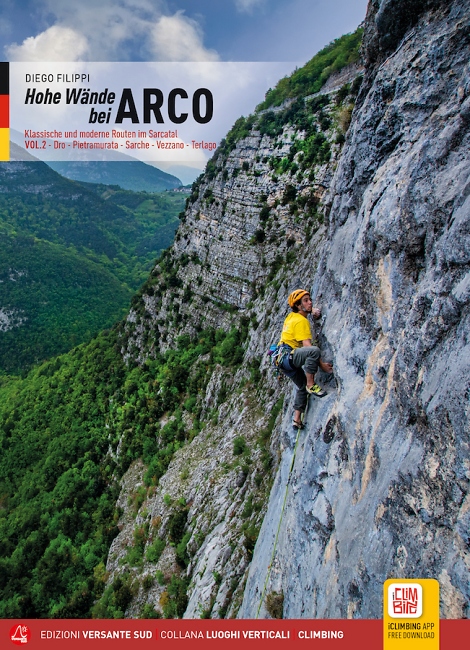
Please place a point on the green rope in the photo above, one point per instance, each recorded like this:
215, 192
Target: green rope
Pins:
270, 565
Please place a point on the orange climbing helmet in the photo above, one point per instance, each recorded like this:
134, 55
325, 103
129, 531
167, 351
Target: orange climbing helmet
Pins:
295, 296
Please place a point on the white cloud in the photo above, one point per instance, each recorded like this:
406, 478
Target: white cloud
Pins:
106, 30
115, 30
55, 44
178, 38
247, 6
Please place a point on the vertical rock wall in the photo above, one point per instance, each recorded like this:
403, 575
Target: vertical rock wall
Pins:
380, 231
380, 483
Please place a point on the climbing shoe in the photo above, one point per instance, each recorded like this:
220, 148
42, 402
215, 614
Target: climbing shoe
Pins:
298, 425
316, 391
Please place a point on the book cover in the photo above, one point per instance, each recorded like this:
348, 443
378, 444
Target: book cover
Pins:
150, 468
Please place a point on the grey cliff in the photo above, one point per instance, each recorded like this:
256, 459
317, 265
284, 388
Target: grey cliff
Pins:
379, 485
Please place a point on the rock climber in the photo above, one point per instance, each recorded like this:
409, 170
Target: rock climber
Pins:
297, 351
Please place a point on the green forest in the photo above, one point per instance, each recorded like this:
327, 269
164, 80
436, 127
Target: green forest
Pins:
71, 257
59, 431
312, 76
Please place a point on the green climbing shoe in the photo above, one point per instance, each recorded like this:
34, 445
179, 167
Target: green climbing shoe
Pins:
316, 390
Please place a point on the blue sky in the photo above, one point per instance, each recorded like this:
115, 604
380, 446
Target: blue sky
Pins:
173, 30
285, 31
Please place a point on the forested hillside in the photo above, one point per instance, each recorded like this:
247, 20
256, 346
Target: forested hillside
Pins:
68, 432
71, 257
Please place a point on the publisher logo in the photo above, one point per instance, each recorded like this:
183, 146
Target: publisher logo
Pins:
20, 634
405, 600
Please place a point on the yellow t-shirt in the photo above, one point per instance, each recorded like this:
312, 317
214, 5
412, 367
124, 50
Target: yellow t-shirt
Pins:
296, 329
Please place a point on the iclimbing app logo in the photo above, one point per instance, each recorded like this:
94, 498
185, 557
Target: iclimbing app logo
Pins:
405, 600
20, 634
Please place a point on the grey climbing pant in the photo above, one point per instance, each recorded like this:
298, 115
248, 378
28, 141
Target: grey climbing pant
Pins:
307, 358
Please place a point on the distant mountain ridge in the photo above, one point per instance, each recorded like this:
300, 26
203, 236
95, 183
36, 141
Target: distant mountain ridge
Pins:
128, 174
115, 169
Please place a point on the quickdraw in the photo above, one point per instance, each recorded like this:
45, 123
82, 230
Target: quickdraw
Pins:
278, 353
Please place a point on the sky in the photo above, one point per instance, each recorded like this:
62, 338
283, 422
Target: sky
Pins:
173, 30
206, 31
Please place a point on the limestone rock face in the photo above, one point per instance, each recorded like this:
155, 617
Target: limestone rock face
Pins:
379, 486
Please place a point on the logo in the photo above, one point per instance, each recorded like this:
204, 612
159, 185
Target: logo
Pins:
405, 600
20, 634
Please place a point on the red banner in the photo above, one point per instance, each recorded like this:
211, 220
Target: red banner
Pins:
203, 634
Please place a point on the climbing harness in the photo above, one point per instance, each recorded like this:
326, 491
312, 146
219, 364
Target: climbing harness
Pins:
277, 353
270, 565
280, 360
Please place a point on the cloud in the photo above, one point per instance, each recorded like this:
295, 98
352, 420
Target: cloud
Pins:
116, 31
178, 38
247, 6
55, 44
128, 30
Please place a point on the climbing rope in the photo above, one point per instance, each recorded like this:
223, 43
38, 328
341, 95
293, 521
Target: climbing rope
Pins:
270, 565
